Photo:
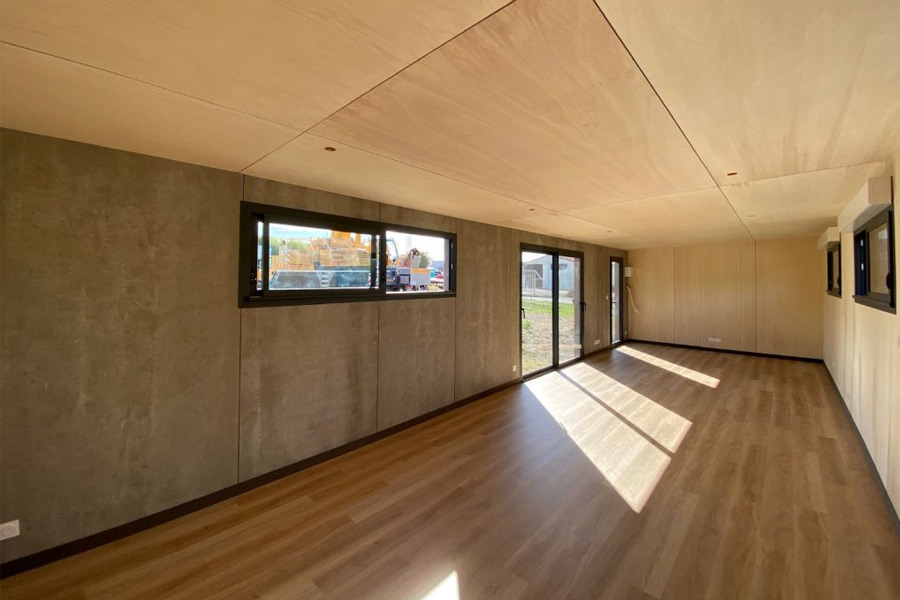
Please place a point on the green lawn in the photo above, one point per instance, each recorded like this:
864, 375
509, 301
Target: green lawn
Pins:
543, 307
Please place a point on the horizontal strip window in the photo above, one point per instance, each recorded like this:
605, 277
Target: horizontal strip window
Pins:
873, 256
290, 256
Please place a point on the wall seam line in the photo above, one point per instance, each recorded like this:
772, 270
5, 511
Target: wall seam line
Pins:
240, 355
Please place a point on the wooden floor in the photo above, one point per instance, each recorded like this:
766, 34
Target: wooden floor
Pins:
749, 480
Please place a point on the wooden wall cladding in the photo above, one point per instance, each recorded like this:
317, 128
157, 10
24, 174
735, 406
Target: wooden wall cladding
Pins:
753, 296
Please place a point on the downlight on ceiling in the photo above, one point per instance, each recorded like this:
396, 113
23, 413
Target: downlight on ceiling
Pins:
732, 174
330, 149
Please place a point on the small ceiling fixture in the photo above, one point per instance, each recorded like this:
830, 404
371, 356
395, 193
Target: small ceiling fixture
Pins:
732, 174
330, 149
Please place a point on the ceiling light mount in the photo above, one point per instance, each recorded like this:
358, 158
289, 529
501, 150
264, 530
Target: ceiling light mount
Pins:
330, 149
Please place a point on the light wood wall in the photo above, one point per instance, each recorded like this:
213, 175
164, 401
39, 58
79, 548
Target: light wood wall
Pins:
862, 353
753, 296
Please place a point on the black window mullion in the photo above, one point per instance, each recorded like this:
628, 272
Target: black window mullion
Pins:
265, 256
382, 262
555, 295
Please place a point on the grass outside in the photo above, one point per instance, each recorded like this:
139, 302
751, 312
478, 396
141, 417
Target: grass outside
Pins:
537, 333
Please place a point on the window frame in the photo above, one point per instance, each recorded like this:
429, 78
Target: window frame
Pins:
834, 287
253, 213
862, 260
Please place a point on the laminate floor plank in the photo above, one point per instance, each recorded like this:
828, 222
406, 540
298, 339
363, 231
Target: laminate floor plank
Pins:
646, 472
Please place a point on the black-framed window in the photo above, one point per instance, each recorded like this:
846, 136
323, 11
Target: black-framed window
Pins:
834, 269
291, 256
873, 245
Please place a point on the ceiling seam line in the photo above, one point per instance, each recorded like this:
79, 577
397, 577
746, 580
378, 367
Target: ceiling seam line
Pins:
424, 56
674, 120
148, 83
453, 179
379, 84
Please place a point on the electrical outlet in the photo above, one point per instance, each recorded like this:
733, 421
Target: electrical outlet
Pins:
596, 342
515, 368
10, 529
715, 340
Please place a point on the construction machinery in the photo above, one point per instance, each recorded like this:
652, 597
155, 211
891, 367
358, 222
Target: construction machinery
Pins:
409, 272
342, 260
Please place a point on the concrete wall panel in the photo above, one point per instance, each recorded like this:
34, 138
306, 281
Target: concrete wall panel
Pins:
119, 339
482, 308
131, 382
308, 378
416, 358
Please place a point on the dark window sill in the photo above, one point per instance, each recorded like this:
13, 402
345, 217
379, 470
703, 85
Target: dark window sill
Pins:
256, 302
835, 293
877, 304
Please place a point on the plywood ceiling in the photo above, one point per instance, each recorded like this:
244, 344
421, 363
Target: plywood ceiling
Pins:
612, 122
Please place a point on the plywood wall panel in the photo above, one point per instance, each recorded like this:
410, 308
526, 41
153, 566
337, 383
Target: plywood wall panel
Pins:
720, 292
790, 303
727, 296
651, 300
862, 353
688, 277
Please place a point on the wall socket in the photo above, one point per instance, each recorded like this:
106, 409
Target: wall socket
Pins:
715, 340
10, 529
596, 342
515, 368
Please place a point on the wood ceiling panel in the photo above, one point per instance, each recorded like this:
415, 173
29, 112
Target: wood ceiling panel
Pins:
689, 210
563, 226
790, 229
800, 197
707, 235
540, 102
772, 88
353, 172
293, 61
50, 96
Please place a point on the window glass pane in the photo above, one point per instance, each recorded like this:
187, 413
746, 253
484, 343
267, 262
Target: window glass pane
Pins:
569, 324
537, 311
309, 258
879, 260
417, 263
835, 272
260, 226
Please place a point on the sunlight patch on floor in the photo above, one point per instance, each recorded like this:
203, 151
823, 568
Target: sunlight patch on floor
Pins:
448, 589
627, 460
667, 428
697, 376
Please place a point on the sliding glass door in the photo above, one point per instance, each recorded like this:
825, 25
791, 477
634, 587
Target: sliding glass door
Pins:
616, 300
551, 307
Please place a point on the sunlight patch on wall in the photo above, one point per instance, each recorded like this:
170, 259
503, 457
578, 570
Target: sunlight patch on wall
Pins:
667, 428
697, 376
627, 460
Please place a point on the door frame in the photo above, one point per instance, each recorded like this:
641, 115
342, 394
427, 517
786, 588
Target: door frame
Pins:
555, 253
621, 262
